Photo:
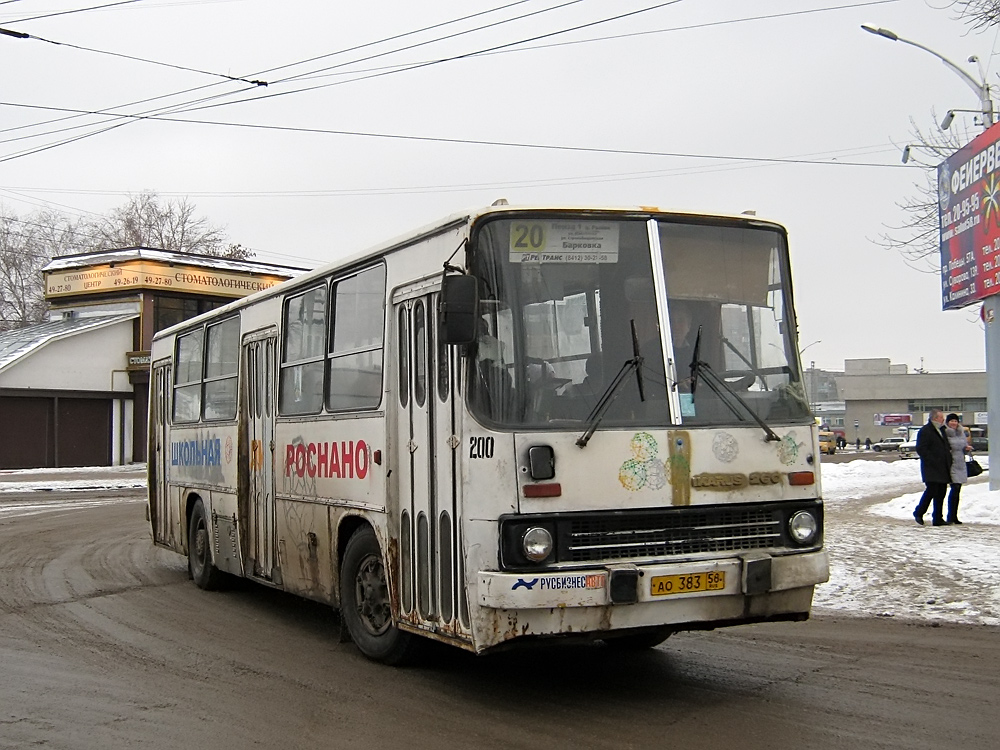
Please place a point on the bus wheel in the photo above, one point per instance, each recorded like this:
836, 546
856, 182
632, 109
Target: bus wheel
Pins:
200, 566
638, 641
365, 606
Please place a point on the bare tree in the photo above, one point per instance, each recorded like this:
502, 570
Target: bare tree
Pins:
25, 246
917, 238
146, 221
979, 14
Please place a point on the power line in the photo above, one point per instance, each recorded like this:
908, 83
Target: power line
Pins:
463, 141
150, 62
628, 35
75, 10
417, 66
502, 48
270, 70
184, 108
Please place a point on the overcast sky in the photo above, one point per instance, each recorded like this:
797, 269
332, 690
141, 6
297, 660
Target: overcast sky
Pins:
645, 100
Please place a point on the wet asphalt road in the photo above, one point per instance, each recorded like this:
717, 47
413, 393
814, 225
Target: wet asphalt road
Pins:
105, 643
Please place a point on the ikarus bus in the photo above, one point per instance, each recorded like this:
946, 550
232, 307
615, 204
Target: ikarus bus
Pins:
514, 425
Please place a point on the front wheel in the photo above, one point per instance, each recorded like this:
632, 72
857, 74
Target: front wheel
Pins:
200, 566
365, 604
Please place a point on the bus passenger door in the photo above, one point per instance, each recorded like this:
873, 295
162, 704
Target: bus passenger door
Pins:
259, 409
430, 576
160, 516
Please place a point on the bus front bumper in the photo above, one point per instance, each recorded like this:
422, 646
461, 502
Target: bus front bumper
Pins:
602, 601
750, 574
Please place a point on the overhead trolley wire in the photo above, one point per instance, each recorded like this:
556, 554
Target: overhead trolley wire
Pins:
270, 70
189, 107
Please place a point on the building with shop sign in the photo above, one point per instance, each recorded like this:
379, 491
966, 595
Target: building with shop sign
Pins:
74, 390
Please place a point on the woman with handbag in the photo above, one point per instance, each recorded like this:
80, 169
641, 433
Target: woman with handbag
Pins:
960, 444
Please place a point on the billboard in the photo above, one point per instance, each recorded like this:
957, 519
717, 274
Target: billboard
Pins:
969, 216
883, 420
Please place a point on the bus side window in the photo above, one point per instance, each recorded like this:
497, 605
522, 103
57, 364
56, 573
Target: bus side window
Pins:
221, 369
355, 356
187, 381
301, 378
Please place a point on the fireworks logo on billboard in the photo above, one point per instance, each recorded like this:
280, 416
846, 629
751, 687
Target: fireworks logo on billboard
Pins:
991, 199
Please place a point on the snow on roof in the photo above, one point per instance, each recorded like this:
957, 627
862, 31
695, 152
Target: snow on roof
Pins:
21, 342
82, 260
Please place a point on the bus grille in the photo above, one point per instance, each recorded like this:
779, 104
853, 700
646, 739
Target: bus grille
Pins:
692, 531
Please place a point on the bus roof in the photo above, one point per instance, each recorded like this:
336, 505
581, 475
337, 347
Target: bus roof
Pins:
455, 220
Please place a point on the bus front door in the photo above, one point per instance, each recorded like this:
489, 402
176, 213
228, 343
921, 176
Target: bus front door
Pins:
259, 409
431, 574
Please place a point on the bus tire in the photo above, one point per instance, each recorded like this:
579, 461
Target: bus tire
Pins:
639, 641
200, 567
365, 603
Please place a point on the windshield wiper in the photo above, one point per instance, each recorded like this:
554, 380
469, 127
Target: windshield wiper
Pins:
611, 392
721, 389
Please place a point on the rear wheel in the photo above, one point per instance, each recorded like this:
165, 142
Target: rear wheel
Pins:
365, 603
200, 566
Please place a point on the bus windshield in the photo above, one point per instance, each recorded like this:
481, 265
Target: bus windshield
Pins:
567, 302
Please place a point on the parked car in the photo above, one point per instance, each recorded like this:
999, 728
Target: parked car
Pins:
888, 444
908, 449
981, 444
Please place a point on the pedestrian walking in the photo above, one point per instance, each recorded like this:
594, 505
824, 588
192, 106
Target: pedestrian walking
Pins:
935, 468
857, 444
868, 444
959, 443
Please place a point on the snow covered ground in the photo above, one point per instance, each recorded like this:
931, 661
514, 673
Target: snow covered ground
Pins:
882, 563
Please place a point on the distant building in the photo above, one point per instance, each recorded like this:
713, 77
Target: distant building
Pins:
882, 398
74, 391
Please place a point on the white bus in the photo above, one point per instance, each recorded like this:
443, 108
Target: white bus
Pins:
516, 424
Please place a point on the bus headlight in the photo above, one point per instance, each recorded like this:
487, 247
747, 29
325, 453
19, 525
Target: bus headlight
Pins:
802, 527
536, 543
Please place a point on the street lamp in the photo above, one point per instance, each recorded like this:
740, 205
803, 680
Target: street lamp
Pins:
981, 88
807, 346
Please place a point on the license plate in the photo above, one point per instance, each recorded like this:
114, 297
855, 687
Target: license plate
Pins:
688, 583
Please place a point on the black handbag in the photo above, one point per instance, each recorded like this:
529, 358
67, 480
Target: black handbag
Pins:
972, 468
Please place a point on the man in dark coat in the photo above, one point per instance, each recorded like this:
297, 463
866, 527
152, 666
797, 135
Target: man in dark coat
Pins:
935, 467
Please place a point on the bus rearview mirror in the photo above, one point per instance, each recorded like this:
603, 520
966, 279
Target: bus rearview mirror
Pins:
459, 309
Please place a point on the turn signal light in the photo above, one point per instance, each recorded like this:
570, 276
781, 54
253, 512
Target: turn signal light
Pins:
801, 477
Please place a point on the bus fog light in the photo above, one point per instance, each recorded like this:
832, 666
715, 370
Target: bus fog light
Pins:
803, 527
536, 543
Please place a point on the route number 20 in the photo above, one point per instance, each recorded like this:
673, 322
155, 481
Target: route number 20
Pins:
524, 236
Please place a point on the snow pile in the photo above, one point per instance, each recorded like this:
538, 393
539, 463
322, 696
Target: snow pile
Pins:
132, 476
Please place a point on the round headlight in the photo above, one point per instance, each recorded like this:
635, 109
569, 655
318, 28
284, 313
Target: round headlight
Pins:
803, 527
536, 543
